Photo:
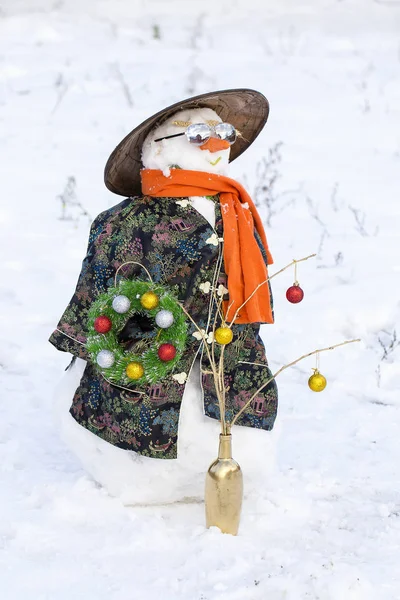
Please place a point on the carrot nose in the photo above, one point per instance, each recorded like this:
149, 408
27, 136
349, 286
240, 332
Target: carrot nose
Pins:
215, 144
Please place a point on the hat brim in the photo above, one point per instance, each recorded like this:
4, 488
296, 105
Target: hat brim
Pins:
247, 110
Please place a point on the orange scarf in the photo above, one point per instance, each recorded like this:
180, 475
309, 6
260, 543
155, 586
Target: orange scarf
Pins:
244, 263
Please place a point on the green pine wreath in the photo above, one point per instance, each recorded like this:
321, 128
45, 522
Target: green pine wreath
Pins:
154, 369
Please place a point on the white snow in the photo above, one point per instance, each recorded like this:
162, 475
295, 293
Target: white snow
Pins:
75, 77
206, 207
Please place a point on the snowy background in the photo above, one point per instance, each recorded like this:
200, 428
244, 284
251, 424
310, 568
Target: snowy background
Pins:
75, 77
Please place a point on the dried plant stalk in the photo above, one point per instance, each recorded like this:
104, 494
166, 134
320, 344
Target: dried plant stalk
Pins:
214, 368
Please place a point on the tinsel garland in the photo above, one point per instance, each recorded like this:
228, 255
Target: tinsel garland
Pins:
154, 368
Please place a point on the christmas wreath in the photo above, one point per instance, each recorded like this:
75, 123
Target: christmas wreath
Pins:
137, 333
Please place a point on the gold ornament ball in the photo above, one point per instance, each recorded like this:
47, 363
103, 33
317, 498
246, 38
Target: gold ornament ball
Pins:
134, 370
223, 335
149, 300
317, 382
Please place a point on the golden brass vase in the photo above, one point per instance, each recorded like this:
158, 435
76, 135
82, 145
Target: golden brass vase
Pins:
224, 489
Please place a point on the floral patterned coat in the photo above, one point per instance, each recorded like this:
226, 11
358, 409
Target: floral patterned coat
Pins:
181, 250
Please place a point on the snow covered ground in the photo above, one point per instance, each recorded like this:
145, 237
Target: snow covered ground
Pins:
74, 78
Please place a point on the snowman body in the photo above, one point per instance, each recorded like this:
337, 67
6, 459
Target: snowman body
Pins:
137, 479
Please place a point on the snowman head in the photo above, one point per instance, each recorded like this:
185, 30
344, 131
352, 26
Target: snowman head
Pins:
163, 152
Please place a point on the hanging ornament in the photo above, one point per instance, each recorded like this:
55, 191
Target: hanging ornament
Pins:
102, 324
223, 335
121, 304
295, 294
166, 352
149, 300
134, 370
105, 359
164, 319
317, 382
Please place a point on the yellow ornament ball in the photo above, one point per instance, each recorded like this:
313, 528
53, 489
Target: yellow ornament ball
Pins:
134, 370
149, 300
223, 335
317, 382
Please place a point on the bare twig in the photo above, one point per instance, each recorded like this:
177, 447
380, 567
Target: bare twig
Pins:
124, 86
156, 32
378, 376
218, 304
68, 198
360, 217
221, 384
390, 346
265, 194
211, 361
324, 234
197, 32
334, 202
62, 87
312, 207
338, 260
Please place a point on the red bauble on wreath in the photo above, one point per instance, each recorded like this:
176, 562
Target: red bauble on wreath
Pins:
295, 294
166, 352
102, 324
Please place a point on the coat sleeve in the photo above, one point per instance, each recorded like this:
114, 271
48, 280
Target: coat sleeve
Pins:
113, 240
68, 336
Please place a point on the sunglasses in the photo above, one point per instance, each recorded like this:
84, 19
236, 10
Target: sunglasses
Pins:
199, 133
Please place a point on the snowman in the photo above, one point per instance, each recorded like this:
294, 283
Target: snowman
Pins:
154, 447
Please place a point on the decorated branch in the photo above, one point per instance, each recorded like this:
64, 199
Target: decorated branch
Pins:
222, 335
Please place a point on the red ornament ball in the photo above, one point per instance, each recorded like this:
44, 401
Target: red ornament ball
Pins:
102, 324
295, 294
166, 352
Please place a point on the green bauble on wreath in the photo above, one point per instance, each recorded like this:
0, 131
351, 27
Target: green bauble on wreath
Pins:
111, 312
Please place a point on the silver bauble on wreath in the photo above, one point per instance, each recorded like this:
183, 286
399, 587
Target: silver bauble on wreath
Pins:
121, 304
164, 319
105, 359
